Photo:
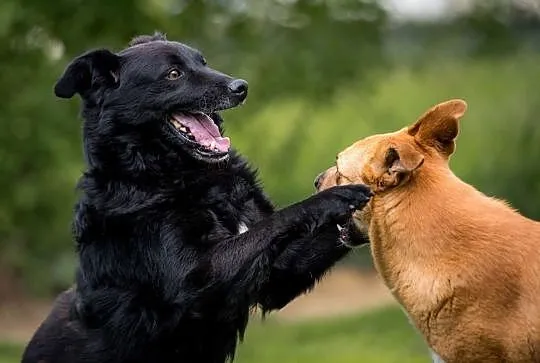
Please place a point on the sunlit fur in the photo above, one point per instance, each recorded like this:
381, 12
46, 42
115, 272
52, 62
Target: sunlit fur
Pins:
465, 266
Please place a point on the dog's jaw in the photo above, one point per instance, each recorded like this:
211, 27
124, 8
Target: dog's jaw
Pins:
199, 135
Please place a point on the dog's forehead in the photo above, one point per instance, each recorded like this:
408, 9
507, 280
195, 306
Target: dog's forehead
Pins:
349, 160
358, 151
360, 154
166, 50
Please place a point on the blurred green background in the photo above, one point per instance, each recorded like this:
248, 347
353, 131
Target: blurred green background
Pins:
322, 74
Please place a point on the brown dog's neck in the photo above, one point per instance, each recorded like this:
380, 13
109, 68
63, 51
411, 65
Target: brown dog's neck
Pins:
422, 191
436, 226
437, 208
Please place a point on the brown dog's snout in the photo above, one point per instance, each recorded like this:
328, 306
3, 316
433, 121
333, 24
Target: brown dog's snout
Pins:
318, 179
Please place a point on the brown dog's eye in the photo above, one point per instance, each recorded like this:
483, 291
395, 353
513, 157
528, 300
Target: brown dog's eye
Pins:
174, 74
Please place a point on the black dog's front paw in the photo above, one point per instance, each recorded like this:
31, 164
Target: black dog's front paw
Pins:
336, 204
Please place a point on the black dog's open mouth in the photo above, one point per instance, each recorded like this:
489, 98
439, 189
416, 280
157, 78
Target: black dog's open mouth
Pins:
198, 130
343, 232
347, 233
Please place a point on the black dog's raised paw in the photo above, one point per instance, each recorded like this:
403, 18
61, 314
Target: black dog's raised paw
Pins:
337, 203
356, 195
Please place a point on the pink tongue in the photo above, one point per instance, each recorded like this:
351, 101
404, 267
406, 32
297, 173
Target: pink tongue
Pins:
204, 130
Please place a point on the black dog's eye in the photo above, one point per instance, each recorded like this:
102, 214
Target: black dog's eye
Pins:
174, 74
203, 61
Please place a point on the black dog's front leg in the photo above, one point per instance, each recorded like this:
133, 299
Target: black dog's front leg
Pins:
242, 265
303, 263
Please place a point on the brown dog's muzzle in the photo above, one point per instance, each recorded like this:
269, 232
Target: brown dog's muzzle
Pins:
318, 180
326, 179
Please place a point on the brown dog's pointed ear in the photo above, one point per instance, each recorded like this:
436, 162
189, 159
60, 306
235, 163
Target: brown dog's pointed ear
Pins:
439, 127
399, 162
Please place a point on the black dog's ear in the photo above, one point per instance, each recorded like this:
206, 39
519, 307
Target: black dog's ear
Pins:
96, 66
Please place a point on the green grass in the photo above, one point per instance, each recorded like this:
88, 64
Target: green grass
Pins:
10, 353
381, 337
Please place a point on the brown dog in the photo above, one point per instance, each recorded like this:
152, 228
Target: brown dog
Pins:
466, 267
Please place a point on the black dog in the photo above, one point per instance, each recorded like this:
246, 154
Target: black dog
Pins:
176, 240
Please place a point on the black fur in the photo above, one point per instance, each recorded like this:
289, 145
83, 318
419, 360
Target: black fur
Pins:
164, 275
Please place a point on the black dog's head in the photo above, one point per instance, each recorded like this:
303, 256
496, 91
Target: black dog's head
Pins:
156, 90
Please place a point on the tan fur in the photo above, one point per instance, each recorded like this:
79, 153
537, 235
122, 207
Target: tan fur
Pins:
466, 267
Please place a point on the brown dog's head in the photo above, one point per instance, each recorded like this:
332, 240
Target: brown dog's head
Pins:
387, 161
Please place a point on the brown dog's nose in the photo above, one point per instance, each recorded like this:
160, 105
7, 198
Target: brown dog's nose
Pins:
318, 179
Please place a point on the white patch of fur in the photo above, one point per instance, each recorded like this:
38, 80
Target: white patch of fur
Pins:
435, 357
242, 228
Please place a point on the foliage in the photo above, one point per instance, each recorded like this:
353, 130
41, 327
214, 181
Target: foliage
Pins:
322, 73
40, 154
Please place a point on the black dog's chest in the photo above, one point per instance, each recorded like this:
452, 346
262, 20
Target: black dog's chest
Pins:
219, 211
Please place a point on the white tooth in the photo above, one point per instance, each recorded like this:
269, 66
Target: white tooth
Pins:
182, 128
339, 227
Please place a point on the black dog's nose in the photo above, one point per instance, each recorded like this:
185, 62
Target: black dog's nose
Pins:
317, 181
239, 87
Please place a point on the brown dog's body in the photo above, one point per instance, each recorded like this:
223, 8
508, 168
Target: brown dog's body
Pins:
465, 267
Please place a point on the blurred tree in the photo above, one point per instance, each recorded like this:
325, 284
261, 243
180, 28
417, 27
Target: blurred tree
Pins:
303, 59
283, 47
